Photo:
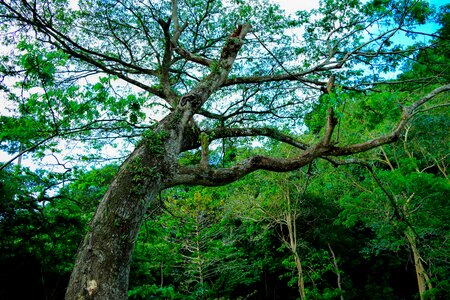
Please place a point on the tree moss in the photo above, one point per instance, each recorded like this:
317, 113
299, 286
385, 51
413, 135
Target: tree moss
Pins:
154, 141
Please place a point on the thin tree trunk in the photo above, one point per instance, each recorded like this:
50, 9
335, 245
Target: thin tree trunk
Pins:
300, 280
423, 280
266, 288
199, 258
161, 269
336, 270
290, 218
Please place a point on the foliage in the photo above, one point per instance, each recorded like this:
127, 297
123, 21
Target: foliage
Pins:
43, 231
197, 251
85, 83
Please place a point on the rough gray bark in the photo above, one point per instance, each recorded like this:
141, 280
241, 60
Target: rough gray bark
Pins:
102, 267
103, 261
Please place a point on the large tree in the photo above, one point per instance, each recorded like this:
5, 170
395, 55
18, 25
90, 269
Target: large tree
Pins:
211, 70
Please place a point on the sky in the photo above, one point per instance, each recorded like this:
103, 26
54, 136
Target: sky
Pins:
291, 6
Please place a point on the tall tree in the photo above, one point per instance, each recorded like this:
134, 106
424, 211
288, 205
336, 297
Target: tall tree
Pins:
283, 210
219, 69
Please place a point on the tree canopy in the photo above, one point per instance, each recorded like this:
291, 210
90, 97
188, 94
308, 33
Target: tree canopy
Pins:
174, 91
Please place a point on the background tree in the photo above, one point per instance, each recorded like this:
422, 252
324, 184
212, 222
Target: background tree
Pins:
404, 199
303, 222
201, 259
225, 69
40, 233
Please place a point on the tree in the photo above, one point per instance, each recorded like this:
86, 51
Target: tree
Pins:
40, 234
404, 201
282, 207
219, 70
204, 260
406, 211
299, 216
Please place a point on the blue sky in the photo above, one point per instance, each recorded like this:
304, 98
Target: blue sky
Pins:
295, 5
439, 2
291, 6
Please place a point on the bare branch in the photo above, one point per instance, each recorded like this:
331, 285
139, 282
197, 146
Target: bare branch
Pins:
431, 108
407, 114
26, 150
193, 57
299, 76
329, 128
176, 35
211, 83
428, 97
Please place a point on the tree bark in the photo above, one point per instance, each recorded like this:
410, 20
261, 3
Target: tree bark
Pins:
337, 271
103, 261
102, 266
300, 280
290, 218
423, 280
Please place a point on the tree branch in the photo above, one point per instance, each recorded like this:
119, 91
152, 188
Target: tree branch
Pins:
272, 133
324, 149
216, 177
26, 150
407, 114
71, 47
192, 57
329, 128
211, 83
299, 76
176, 35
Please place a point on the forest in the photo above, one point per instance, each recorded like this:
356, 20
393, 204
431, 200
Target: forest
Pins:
208, 149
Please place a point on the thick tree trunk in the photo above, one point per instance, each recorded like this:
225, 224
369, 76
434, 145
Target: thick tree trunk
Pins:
102, 266
103, 262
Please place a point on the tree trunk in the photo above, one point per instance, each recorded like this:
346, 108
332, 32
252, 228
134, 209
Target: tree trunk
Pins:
102, 266
423, 280
103, 261
291, 222
337, 271
300, 280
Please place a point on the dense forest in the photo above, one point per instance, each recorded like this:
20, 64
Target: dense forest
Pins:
224, 150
